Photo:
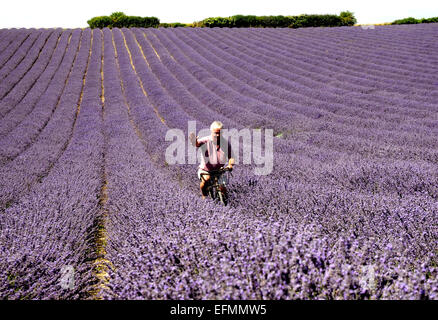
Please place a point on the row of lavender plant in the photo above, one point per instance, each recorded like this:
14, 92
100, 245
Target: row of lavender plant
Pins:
430, 180
173, 87
281, 75
288, 59
185, 251
365, 132
36, 109
20, 54
34, 83
428, 183
213, 104
53, 226
386, 82
8, 36
24, 65
409, 41
284, 103
10, 50
384, 66
19, 175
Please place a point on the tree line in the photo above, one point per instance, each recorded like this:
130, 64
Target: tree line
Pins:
345, 18
120, 20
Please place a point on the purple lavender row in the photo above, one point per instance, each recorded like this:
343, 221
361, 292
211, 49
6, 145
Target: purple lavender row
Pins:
387, 186
180, 119
237, 101
54, 226
312, 93
387, 37
165, 105
13, 79
415, 151
35, 162
9, 51
337, 130
310, 240
321, 60
368, 84
157, 46
380, 63
175, 88
279, 67
25, 94
355, 174
418, 36
172, 52
10, 34
427, 70
353, 170
197, 82
305, 80
37, 115
4, 37
249, 77
27, 100
413, 210
350, 147
137, 203
8, 37
141, 116
204, 78
141, 110
135, 286
20, 53
148, 125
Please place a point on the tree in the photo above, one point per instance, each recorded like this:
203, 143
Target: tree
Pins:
347, 18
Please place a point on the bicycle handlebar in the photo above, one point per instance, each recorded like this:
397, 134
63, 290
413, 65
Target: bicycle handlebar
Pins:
214, 172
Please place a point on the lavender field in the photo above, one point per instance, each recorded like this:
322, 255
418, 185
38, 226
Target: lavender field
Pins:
350, 210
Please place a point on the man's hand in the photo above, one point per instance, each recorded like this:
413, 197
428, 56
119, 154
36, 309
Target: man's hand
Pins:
231, 163
193, 139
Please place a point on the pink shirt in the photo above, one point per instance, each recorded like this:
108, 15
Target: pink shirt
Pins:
213, 157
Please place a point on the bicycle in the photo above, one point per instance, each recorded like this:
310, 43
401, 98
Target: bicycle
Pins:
215, 188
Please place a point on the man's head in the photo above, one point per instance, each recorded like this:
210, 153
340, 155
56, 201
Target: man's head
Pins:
215, 129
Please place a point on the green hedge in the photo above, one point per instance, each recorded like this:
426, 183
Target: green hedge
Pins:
412, 20
409, 20
346, 18
173, 25
429, 20
120, 20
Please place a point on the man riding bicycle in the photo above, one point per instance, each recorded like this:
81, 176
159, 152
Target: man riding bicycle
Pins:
215, 153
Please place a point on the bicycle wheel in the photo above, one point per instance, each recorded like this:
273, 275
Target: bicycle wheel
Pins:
223, 197
212, 193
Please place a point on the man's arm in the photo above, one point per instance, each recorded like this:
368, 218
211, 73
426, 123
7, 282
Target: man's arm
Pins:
195, 141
